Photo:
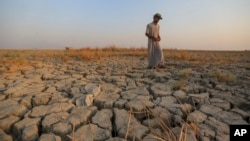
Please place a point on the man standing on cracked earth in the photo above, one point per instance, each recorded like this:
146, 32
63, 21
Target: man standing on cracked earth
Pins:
155, 53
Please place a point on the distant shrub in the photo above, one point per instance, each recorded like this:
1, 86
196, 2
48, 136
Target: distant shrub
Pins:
87, 54
12, 55
99, 53
185, 55
66, 58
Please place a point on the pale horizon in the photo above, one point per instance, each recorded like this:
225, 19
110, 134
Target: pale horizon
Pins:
192, 25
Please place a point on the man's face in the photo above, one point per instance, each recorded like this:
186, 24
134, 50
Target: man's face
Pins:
156, 19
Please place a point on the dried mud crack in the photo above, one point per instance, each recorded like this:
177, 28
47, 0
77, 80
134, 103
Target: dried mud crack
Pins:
114, 101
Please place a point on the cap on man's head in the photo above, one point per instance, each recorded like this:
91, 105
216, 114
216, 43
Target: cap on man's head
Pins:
158, 15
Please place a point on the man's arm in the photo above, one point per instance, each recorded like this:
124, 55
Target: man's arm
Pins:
159, 37
147, 32
151, 37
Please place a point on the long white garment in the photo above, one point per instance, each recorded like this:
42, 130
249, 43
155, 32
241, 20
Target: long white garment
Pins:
155, 54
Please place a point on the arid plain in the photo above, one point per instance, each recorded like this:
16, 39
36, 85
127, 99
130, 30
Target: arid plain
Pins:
109, 94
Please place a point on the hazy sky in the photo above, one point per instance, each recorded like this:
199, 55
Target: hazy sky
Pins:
186, 24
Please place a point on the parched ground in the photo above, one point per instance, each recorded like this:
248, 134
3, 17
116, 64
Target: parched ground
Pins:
118, 98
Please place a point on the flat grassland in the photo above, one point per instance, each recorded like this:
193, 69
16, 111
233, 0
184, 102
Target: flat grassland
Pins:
109, 94
14, 60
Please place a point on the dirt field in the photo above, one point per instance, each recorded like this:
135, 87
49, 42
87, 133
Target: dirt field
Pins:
109, 94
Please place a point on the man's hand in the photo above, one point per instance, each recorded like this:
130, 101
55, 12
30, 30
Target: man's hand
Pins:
159, 38
155, 39
152, 37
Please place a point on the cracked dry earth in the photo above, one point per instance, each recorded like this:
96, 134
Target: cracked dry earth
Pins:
85, 101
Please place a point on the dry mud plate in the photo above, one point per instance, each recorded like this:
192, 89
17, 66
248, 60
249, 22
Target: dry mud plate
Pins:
119, 99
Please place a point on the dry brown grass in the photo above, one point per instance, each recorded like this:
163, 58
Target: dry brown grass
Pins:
226, 77
10, 66
184, 73
95, 53
207, 56
179, 84
16, 58
166, 133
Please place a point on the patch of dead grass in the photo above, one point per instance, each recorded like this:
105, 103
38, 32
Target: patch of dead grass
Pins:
226, 77
88, 53
184, 73
178, 85
166, 133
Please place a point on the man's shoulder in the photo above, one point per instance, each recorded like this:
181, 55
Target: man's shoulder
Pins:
152, 24
149, 24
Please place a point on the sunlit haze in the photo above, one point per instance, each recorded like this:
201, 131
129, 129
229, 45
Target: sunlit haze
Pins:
186, 24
